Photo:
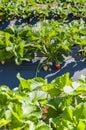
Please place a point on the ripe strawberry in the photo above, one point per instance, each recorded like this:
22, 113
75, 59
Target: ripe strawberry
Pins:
58, 66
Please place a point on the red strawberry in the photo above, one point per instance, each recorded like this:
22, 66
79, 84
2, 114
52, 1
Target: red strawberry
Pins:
58, 66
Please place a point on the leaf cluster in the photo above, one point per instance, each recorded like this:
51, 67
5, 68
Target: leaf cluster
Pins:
37, 104
50, 39
10, 9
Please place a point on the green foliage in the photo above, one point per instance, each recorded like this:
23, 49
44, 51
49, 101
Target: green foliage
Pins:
39, 105
9, 9
36, 104
49, 39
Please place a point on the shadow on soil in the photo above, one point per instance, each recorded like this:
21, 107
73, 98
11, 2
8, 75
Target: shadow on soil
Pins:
9, 71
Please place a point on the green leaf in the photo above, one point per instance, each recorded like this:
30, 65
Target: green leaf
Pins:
29, 125
55, 87
42, 126
31, 84
62, 80
78, 111
20, 50
37, 83
68, 90
4, 122
81, 125
52, 89
81, 90
24, 84
84, 111
16, 112
68, 113
7, 114
82, 79
36, 96
4, 55
28, 108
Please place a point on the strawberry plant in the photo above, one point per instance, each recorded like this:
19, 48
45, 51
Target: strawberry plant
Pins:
37, 104
4, 43
49, 39
77, 30
25, 9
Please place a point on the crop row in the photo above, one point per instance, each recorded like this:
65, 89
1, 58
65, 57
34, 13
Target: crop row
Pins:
10, 9
50, 39
39, 105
